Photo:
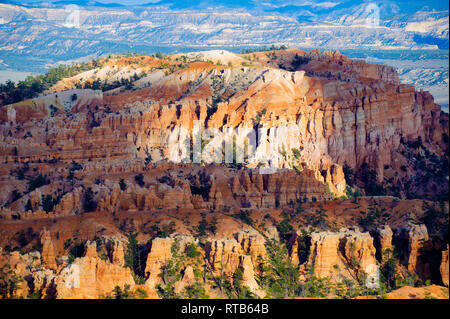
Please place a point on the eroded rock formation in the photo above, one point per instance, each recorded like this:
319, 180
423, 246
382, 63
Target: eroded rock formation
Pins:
91, 277
116, 156
48, 250
345, 254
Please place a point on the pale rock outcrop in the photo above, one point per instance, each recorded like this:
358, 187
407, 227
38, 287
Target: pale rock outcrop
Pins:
42, 281
383, 237
359, 255
48, 250
223, 254
90, 249
69, 203
272, 233
22, 267
324, 256
91, 277
243, 252
344, 254
248, 275
160, 253
252, 243
188, 279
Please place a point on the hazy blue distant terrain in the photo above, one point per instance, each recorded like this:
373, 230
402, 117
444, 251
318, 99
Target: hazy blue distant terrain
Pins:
13, 75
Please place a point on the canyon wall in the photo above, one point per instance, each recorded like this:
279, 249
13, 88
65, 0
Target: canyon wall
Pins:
358, 115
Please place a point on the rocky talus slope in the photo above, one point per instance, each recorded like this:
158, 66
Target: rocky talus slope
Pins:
97, 191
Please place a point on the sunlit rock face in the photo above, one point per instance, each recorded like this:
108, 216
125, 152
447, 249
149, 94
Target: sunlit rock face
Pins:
345, 254
296, 109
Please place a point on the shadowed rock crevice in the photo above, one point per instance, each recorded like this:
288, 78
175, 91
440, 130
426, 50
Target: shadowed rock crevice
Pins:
377, 244
430, 259
304, 246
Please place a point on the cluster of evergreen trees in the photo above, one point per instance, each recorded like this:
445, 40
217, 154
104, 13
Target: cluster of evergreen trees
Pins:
106, 86
264, 48
11, 92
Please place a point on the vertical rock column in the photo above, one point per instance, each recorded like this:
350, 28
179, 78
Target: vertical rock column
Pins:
48, 250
